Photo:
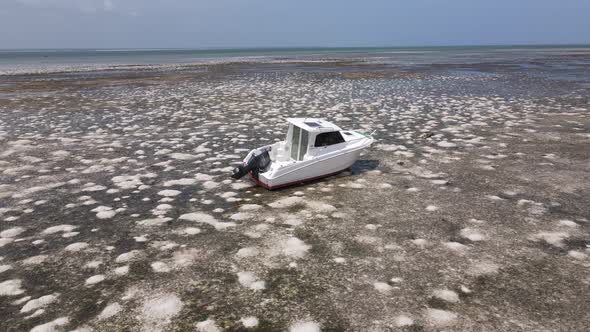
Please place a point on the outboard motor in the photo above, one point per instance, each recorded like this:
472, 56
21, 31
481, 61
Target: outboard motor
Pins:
257, 162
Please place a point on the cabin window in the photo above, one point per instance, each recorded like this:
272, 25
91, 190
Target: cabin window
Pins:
303, 145
299, 142
295, 142
327, 139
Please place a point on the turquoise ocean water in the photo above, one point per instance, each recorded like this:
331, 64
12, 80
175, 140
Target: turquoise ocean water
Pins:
40, 60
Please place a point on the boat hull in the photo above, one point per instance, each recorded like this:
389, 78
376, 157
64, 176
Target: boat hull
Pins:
294, 183
308, 171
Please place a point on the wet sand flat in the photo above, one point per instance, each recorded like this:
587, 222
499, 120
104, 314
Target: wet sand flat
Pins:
469, 213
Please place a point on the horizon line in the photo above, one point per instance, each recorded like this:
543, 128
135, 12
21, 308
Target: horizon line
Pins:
301, 47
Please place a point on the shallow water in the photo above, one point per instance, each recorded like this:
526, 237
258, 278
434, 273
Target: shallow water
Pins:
43, 61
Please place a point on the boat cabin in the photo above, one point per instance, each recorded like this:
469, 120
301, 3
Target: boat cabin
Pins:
307, 136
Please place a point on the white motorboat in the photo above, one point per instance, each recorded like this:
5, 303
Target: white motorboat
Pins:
313, 149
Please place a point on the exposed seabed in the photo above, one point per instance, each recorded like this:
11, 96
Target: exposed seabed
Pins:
469, 213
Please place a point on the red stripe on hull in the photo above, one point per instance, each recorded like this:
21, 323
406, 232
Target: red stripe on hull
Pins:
264, 185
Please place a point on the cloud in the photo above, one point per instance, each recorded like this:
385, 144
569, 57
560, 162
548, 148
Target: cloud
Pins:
87, 6
109, 5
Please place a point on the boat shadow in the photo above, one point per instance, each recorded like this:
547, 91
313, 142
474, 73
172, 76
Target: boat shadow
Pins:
363, 166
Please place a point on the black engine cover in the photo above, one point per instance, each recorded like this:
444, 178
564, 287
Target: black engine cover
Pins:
257, 164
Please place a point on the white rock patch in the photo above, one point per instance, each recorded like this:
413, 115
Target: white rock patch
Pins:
160, 267
472, 234
157, 311
241, 216
286, 202
552, 238
321, 207
180, 182
11, 287
431, 208
122, 270
568, 223
95, 279
208, 325
483, 268
446, 295
294, 247
206, 219
382, 287
76, 246
440, 318
446, 144
52, 326
249, 322
203, 177
456, 246
182, 156
210, 185
169, 193
153, 222
250, 207
184, 258
128, 256
403, 320
110, 310
192, 230
247, 252
305, 326
249, 280
12, 232
104, 212
59, 228
39, 303
34, 260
